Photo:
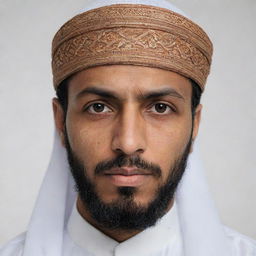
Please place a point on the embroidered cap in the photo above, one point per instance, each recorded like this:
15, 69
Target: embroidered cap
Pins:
132, 34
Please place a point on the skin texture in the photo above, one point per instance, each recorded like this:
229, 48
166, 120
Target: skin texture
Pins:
130, 124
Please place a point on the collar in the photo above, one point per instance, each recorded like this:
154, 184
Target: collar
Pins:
154, 239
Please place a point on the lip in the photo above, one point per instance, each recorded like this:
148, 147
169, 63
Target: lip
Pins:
127, 171
127, 177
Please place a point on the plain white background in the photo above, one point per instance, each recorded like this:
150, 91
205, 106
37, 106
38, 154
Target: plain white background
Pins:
228, 129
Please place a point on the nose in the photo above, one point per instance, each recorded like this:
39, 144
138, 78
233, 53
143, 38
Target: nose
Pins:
129, 133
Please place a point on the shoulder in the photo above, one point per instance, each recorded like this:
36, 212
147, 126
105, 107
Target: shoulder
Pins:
241, 244
13, 247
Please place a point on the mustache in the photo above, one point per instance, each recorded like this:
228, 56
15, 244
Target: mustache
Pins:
128, 161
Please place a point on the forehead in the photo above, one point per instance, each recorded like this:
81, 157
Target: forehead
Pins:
128, 80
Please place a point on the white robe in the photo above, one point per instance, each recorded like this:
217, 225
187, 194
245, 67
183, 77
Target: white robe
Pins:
82, 239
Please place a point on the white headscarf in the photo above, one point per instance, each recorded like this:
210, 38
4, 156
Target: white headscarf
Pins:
202, 232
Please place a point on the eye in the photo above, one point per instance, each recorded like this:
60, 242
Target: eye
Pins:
98, 108
161, 108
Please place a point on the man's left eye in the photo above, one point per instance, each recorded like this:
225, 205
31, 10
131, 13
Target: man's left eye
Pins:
161, 108
98, 108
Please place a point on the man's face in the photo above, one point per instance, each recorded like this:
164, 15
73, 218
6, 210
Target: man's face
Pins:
128, 112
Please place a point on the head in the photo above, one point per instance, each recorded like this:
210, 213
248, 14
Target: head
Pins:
128, 131
129, 110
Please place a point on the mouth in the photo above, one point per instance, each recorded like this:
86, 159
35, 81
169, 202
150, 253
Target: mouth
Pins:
127, 177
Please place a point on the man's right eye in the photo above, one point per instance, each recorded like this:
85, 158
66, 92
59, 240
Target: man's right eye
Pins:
97, 108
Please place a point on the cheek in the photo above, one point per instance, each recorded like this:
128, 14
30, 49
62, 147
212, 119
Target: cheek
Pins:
87, 142
168, 143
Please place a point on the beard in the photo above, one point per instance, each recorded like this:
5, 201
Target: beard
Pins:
124, 213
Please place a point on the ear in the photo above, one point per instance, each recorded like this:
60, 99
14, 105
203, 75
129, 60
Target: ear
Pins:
59, 119
196, 122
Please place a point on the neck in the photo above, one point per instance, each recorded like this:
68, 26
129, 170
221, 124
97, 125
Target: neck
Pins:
119, 235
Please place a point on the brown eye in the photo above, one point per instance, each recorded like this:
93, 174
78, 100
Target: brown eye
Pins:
161, 108
98, 108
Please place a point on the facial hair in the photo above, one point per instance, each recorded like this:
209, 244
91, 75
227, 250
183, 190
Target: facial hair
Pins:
124, 213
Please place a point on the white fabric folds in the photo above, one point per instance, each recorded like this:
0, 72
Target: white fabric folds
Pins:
52, 208
202, 232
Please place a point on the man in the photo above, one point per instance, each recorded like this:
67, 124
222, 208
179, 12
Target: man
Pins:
128, 79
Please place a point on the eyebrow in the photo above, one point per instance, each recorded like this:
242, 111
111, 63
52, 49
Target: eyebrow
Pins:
160, 93
143, 96
98, 91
